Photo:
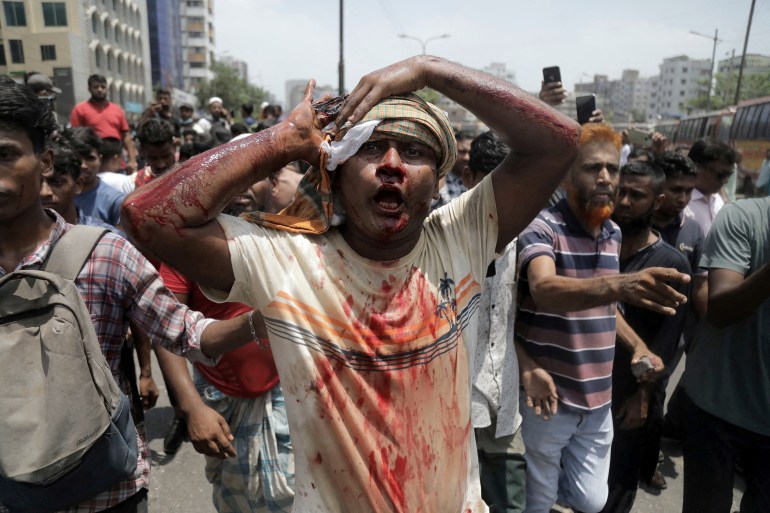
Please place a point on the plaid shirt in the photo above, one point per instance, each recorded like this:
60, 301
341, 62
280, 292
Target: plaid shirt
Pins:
118, 285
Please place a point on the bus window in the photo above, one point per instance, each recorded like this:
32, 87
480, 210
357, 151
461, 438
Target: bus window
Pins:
751, 118
763, 120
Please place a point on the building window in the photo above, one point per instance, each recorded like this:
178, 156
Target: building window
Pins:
94, 23
14, 14
684, 70
55, 14
684, 81
197, 64
2, 54
106, 29
48, 52
17, 51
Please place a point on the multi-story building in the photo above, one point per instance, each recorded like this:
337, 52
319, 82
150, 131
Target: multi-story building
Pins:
681, 79
165, 38
198, 41
295, 90
500, 70
755, 63
240, 67
69, 40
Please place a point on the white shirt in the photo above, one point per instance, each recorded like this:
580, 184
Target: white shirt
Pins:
704, 209
375, 358
496, 369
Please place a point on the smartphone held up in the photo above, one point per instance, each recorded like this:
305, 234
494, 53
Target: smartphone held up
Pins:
586, 105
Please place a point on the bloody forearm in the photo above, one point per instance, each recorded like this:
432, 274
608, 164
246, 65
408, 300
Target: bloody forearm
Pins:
195, 192
525, 123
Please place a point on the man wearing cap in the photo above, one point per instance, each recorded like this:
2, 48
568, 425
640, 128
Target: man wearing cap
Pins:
366, 297
43, 87
106, 118
217, 116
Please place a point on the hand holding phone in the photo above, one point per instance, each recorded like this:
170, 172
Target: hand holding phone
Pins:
639, 138
552, 92
586, 105
551, 75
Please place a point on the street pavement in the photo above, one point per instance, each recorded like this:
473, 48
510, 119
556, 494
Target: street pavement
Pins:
178, 484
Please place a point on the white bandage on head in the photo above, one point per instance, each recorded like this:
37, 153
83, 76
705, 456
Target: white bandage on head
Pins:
351, 142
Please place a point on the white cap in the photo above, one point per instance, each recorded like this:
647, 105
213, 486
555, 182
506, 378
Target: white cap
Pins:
215, 99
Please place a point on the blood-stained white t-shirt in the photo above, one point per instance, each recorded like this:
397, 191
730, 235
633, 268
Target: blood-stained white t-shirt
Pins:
375, 357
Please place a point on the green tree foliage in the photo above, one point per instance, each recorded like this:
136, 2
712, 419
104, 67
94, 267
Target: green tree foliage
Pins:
231, 87
753, 85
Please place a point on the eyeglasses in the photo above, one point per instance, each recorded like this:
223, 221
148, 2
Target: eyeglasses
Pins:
721, 174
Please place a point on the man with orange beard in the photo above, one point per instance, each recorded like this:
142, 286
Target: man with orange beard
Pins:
566, 327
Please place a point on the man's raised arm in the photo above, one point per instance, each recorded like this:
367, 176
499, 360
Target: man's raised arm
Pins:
543, 141
172, 217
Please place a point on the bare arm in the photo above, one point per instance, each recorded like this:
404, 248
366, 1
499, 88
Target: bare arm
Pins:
700, 296
128, 142
538, 384
148, 390
172, 217
626, 335
543, 141
208, 430
645, 288
732, 296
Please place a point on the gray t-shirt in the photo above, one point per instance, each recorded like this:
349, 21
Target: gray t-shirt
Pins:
728, 370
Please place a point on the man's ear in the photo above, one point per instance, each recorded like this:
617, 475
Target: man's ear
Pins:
658, 200
46, 160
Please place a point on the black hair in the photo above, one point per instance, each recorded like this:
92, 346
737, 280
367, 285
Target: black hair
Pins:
203, 142
110, 147
155, 132
188, 131
238, 129
265, 124
65, 157
221, 134
641, 168
96, 78
247, 109
706, 151
462, 135
84, 139
487, 152
186, 151
675, 164
638, 153
20, 108
162, 91
269, 110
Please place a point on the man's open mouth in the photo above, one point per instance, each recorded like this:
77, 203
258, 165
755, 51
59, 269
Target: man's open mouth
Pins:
389, 199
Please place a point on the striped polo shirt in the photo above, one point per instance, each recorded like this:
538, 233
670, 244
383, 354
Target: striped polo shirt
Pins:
576, 348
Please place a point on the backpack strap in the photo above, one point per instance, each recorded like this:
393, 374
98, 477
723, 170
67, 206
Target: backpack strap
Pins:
70, 253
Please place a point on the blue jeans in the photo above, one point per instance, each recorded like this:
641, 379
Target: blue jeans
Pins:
568, 459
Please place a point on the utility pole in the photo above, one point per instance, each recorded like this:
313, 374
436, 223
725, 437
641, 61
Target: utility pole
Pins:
743, 57
342, 57
713, 56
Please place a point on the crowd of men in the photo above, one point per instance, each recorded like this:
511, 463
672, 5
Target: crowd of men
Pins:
392, 315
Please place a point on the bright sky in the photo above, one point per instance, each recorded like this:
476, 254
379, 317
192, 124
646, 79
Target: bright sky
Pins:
299, 39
